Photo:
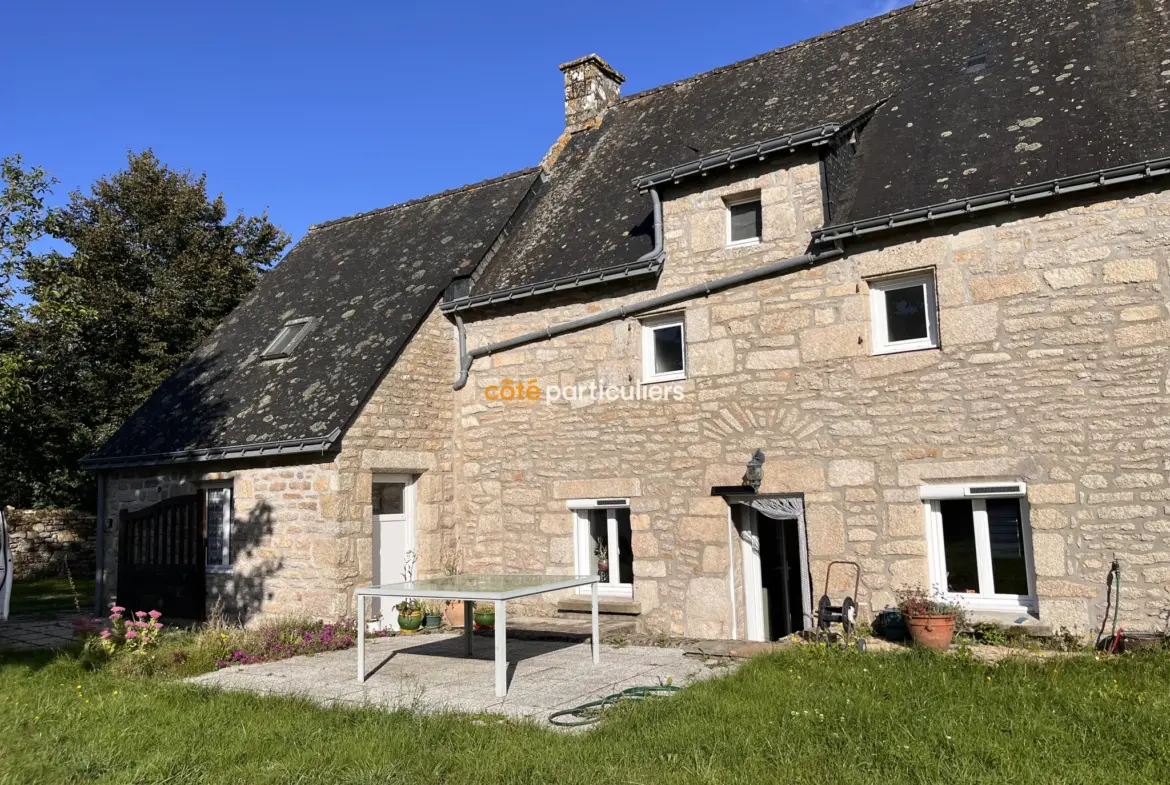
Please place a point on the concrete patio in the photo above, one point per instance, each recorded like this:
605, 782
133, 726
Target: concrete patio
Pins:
431, 674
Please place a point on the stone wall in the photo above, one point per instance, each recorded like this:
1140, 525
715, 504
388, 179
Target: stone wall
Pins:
301, 535
45, 541
1052, 369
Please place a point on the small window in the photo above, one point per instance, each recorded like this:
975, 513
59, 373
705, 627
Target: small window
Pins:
980, 549
664, 349
217, 523
603, 546
903, 312
745, 221
287, 339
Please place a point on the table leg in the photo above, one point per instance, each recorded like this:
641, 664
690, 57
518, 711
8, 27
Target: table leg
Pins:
501, 649
361, 620
596, 627
468, 618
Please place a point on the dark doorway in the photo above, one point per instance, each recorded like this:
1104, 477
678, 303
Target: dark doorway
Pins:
780, 578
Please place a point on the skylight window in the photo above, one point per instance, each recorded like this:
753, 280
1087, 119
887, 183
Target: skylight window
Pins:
287, 339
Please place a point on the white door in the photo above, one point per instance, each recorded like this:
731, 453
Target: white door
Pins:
393, 559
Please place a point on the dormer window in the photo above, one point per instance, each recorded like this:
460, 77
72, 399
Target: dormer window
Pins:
287, 339
745, 221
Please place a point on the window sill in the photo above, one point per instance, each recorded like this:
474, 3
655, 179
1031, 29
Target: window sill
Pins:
672, 377
744, 243
904, 348
219, 570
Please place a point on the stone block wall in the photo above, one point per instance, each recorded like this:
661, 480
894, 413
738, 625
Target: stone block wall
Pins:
301, 535
1053, 369
45, 542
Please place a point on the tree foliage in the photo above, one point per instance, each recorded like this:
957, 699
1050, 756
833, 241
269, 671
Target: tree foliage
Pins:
141, 269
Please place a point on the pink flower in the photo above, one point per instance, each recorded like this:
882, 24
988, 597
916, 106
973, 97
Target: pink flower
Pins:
140, 614
155, 615
105, 634
116, 608
128, 623
131, 634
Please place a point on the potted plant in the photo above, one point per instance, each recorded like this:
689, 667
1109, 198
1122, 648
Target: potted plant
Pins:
410, 616
485, 614
431, 616
602, 552
453, 610
931, 619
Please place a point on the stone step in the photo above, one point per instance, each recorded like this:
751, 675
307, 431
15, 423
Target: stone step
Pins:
573, 629
606, 606
1016, 622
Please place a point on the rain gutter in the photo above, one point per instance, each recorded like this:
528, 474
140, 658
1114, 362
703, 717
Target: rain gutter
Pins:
998, 199
758, 151
649, 263
319, 444
467, 357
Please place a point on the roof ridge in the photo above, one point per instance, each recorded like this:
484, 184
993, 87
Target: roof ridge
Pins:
428, 198
917, 6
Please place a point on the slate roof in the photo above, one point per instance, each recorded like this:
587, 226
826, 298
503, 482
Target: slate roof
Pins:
947, 99
1064, 88
368, 280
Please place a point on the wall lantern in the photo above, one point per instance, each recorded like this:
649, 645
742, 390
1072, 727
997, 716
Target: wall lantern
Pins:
754, 476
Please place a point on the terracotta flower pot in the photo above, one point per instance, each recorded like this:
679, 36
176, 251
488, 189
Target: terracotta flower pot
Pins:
454, 614
934, 631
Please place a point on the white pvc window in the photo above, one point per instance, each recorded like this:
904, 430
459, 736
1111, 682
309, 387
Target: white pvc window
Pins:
602, 536
664, 349
979, 546
745, 221
903, 313
217, 512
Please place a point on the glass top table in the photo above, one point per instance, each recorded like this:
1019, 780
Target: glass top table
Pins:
473, 587
479, 586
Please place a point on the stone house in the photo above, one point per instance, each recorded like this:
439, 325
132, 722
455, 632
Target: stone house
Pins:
920, 262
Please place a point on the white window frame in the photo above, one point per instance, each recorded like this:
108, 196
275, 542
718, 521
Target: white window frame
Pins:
227, 525
727, 205
986, 599
879, 328
581, 542
649, 326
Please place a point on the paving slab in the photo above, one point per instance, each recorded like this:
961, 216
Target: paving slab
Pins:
432, 675
37, 631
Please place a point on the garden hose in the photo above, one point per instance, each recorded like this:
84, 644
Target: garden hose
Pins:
588, 713
1112, 598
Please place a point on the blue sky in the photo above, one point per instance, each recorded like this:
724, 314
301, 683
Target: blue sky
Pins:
316, 110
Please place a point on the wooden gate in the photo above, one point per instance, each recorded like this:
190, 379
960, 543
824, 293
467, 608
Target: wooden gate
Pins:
161, 558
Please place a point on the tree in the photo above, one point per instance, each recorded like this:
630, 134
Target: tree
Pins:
152, 266
22, 223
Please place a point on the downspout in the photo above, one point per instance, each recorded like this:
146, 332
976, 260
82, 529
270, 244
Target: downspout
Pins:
731, 570
100, 561
691, 292
466, 357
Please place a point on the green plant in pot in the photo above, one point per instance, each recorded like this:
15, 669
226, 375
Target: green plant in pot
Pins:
485, 614
432, 615
410, 615
931, 619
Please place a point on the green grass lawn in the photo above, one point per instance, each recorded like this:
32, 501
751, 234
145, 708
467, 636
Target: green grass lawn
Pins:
804, 717
51, 594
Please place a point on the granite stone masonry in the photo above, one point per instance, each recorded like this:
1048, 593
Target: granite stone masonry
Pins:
45, 541
1052, 370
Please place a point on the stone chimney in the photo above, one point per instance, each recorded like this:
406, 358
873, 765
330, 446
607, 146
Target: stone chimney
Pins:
591, 87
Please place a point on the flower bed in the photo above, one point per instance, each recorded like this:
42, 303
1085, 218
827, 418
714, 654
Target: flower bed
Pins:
280, 642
